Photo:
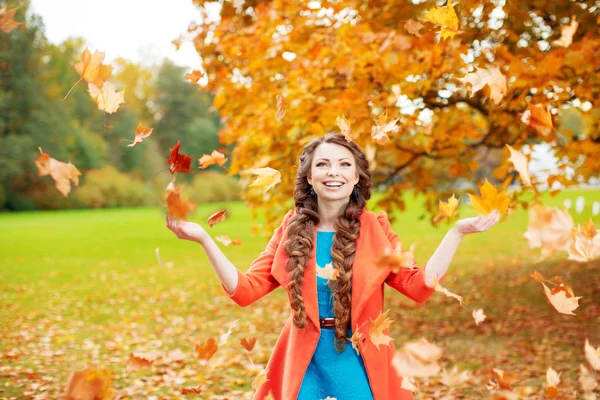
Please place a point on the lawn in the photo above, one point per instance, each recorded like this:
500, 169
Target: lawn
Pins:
84, 287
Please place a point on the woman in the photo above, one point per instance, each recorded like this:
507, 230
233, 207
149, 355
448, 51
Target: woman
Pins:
322, 255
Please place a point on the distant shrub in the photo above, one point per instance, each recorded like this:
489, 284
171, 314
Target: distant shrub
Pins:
211, 186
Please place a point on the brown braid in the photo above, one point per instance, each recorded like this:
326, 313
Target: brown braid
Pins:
300, 236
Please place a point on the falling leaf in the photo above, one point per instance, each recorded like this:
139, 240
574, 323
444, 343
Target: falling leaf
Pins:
492, 77
281, 108
139, 360
106, 97
408, 383
248, 343
585, 243
439, 288
328, 271
417, 359
225, 336
91, 69
505, 380
371, 153
214, 158
376, 334
62, 173
141, 133
562, 298
396, 259
267, 177
208, 350
345, 127
227, 241
445, 17
7, 22
216, 218
176, 206
447, 210
587, 381
89, 383
192, 390
552, 380
592, 355
478, 316
260, 379
195, 76
179, 162
455, 378
566, 33
537, 276
355, 340
490, 200
550, 229
538, 118
413, 27
520, 162
381, 128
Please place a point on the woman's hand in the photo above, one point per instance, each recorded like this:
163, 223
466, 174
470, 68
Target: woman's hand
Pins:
476, 224
186, 230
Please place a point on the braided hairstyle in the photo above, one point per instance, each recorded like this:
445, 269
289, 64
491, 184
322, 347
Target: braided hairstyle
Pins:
300, 236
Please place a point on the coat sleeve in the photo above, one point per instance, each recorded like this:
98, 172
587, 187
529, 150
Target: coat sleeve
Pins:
258, 281
408, 281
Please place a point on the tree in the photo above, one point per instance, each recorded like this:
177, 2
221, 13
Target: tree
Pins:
357, 58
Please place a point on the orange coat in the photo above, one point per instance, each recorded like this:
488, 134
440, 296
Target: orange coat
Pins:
295, 347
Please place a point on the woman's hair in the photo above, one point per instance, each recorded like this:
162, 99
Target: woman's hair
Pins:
300, 236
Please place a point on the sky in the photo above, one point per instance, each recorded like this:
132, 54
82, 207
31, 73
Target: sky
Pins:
138, 30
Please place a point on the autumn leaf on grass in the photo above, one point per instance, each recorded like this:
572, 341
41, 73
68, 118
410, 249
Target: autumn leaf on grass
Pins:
106, 98
505, 380
492, 77
538, 118
91, 69
478, 316
225, 336
446, 18
439, 288
214, 158
140, 360
260, 379
520, 162
141, 133
566, 33
176, 206
281, 108
267, 177
382, 127
552, 381
194, 76
592, 355
90, 383
562, 298
7, 22
248, 343
376, 334
550, 229
413, 27
208, 350
490, 200
447, 210
192, 390
585, 245
62, 173
217, 217
454, 378
396, 258
328, 272
179, 162
345, 127
227, 241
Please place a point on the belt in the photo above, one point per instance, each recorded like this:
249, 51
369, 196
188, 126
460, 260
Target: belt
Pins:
327, 322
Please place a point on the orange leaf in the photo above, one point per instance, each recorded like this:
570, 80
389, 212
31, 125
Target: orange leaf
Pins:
381, 128
413, 27
537, 117
216, 217
376, 334
492, 77
61, 172
214, 158
520, 162
90, 383
396, 259
227, 241
176, 206
7, 22
248, 343
345, 127
355, 340
192, 390
195, 76
439, 288
504, 379
208, 350
141, 133
138, 361
91, 69
281, 107
179, 162
566, 33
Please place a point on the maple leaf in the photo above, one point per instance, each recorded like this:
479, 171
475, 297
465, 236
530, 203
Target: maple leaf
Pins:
417, 358
566, 33
376, 334
355, 340
260, 379
227, 241
225, 336
248, 343
562, 298
195, 76
208, 350
141, 133
447, 210
478, 316
454, 378
281, 107
490, 200
382, 127
328, 272
192, 390
439, 288
176, 206
552, 380
396, 258
413, 27
538, 118
106, 98
550, 229
91, 69
7, 22
445, 17
408, 383
267, 177
140, 360
214, 158
216, 218
505, 380
585, 243
345, 127
491, 77
89, 383
62, 173
520, 162
179, 162
371, 153
592, 355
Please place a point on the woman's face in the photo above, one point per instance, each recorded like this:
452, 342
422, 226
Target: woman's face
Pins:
333, 165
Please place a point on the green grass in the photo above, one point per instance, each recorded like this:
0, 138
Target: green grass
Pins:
87, 284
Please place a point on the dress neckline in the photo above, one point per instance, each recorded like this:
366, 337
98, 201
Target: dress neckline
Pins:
325, 231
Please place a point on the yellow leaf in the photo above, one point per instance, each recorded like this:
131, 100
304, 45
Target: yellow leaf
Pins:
376, 334
328, 272
345, 127
447, 210
260, 379
445, 17
520, 163
214, 158
90, 68
106, 98
490, 200
439, 288
537, 117
267, 177
492, 77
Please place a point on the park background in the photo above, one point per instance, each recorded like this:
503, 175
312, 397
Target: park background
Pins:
88, 278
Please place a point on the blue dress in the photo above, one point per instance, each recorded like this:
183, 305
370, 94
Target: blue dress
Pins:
332, 374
